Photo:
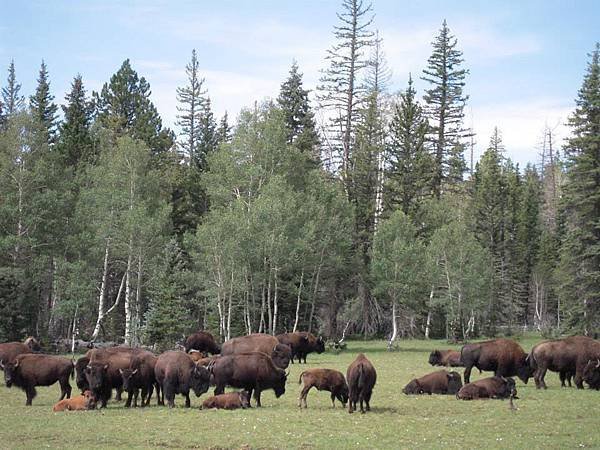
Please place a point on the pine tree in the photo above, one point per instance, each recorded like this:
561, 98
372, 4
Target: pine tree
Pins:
409, 163
208, 137
340, 89
445, 102
299, 118
192, 104
579, 268
224, 130
42, 107
13, 101
75, 141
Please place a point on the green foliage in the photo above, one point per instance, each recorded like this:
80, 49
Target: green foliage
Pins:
13, 101
17, 304
42, 107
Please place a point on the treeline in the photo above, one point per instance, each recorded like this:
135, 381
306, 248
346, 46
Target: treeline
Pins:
366, 222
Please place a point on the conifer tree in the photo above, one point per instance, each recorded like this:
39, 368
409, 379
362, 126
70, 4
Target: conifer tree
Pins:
579, 267
224, 130
445, 101
13, 101
208, 137
75, 141
42, 106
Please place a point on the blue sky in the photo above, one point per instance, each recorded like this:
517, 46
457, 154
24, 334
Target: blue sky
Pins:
526, 58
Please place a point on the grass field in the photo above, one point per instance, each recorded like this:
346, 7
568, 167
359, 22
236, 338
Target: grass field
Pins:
556, 418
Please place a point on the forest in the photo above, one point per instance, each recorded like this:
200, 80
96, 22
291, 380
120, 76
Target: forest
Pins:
347, 211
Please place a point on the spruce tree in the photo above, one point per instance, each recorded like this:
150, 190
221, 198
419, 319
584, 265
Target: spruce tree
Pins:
579, 268
409, 163
299, 118
208, 137
75, 141
224, 130
13, 101
445, 101
41, 104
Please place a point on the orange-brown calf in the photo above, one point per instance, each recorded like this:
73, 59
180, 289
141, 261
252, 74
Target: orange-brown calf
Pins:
79, 403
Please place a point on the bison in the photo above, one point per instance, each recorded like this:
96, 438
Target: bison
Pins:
447, 358
302, 343
591, 374
176, 373
80, 378
361, 376
440, 382
140, 376
10, 350
492, 387
324, 380
231, 400
567, 356
202, 341
504, 357
82, 402
259, 342
28, 370
253, 371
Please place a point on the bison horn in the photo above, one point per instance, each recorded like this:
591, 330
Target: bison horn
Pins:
598, 364
1, 364
275, 348
121, 371
17, 363
134, 372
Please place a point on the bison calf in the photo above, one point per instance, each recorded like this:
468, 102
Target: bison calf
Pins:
231, 400
440, 382
447, 358
324, 380
361, 377
493, 387
80, 403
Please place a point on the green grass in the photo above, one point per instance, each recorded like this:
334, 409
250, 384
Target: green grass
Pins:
556, 418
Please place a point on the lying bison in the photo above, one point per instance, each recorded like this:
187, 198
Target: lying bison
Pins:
567, 356
493, 387
140, 377
231, 400
440, 382
504, 357
591, 374
361, 376
253, 371
302, 343
28, 370
83, 402
328, 380
202, 341
176, 373
447, 358
259, 342
10, 350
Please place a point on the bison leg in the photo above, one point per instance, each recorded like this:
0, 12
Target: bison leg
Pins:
65, 388
118, 396
30, 392
160, 398
333, 400
169, 394
257, 396
303, 395
368, 400
467, 374
129, 398
188, 403
578, 379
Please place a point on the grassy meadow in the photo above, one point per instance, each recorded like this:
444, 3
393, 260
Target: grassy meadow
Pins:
556, 418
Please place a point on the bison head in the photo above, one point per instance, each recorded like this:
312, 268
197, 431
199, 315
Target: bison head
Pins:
525, 372
344, 394
508, 389
33, 344
435, 358
80, 377
199, 379
128, 376
281, 356
320, 345
10, 370
279, 385
96, 374
413, 388
90, 399
244, 399
591, 374
454, 382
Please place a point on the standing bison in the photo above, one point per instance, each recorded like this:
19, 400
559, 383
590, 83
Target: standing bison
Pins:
447, 358
361, 376
567, 356
202, 341
140, 376
504, 357
27, 371
178, 374
324, 380
302, 343
259, 342
249, 371
493, 387
10, 350
440, 382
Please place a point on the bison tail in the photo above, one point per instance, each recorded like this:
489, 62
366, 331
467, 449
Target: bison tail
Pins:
530, 360
301, 375
361, 377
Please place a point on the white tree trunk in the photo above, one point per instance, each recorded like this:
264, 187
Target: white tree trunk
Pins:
379, 189
102, 293
429, 314
298, 302
275, 306
128, 299
394, 326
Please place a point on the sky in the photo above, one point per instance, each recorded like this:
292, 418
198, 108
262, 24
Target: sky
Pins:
526, 59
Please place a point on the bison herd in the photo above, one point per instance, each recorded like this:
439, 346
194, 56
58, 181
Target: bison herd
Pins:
258, 362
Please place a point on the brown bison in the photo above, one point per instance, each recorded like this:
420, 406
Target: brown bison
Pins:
259, 342
28, 370
567, 356
591, 374
253, 371
140, 377
361, 376
440, 382
10, 350
176, 373
324, 380
80, 378
447, 358
504, 357
493, 387
202, 341
82, 402
231, 400
302, 343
